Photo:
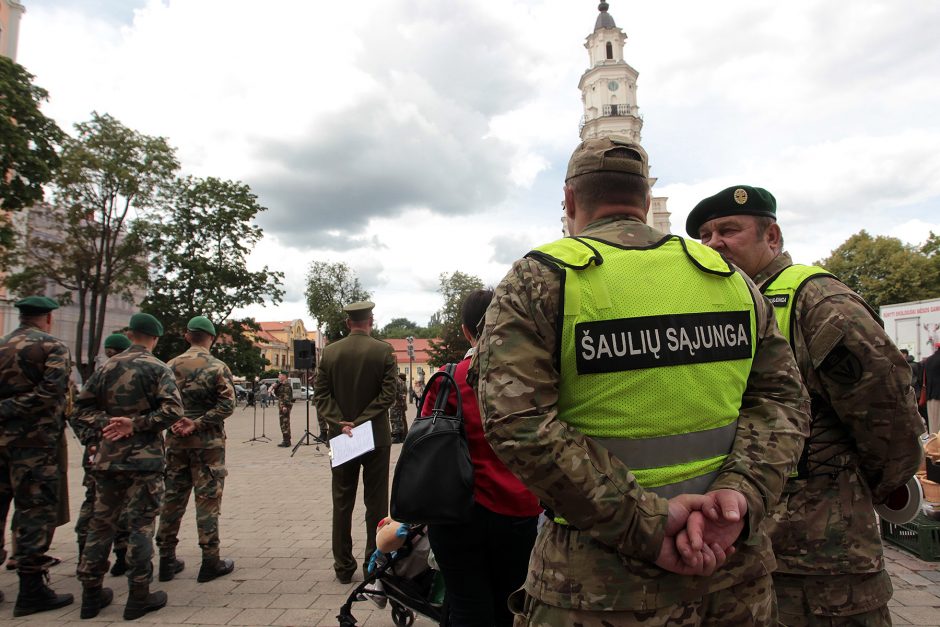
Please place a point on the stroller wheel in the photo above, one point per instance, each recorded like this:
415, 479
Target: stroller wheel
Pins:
402, 616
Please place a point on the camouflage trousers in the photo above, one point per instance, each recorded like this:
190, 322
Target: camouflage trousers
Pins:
748, 604
87, 509
29, 480
201, 471
834, 600
398, 422
283, 411
138, 496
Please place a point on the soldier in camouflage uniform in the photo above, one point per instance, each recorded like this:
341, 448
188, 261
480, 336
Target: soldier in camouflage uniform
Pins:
396, 414
619, 545
285, 402
863, 442
195, 456
34, 385
113, 344
124, 408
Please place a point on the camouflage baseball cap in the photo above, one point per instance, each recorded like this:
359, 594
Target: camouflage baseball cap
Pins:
359, 311
35, 305
737, 200
200, 323
146, 324
594, 155
117, 341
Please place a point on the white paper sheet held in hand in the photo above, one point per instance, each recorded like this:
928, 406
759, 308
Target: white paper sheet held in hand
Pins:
344, 448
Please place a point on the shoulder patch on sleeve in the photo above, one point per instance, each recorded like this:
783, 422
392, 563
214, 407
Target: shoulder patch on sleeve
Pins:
842, 366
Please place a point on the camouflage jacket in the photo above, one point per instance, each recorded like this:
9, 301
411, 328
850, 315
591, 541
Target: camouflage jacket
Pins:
863, 442
139, 386
605, 560
283, 392
208, 394
401, 396
34, 387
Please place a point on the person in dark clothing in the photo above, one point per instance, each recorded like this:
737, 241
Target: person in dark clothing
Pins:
932, 381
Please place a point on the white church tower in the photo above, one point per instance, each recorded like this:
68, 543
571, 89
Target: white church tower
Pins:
608, 93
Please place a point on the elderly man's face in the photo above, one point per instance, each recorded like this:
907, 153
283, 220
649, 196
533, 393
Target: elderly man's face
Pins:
738, 238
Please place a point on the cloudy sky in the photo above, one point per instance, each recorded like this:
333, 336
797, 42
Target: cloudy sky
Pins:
414, 137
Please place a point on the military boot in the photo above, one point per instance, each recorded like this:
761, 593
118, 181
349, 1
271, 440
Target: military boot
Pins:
285, 443
94, 599
36, 596
170, 567
213, 567
120, 562
141, 601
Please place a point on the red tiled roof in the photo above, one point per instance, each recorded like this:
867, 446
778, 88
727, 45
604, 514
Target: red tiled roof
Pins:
421, 349
274, 325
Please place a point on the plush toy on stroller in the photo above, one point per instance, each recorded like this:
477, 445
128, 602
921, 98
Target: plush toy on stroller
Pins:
400, 575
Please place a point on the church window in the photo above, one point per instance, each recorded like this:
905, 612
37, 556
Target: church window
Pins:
610, 50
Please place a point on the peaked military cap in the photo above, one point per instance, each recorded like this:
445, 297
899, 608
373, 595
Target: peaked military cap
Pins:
146, 324
35, 305
739, 200
200, 323
359, 311
593, 155
117, 341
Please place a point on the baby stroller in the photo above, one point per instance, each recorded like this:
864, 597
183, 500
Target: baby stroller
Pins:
403, 579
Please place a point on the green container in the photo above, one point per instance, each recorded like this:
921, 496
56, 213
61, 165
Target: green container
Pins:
921, 537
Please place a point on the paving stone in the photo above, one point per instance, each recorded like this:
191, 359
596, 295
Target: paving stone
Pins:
292, 601
214, 615
918, 615
256, 617
911, 598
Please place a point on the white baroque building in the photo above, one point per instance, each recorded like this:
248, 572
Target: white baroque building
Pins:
608, 93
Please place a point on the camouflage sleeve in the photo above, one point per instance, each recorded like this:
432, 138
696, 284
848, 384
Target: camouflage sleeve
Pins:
88, 417
772, 423
48, 397
868, 384
169, 406
386, 397
518, 392
225, 403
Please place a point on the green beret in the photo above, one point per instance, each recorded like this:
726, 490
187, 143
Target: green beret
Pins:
35, 305
146, 324
359, 311
739, 200
117, 341
200, 323
591, 155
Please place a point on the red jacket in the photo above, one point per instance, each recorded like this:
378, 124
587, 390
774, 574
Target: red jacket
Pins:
494, 487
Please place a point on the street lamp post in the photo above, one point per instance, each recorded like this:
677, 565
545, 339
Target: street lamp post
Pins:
411, 364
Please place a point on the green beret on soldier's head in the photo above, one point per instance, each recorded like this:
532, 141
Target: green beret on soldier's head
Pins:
117, 341
146, 324
608, 154
359, 311
739, 200
200, 323
35, 305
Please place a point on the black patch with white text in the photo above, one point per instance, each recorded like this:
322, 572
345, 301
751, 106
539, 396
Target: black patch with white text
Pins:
779, 300
657, 341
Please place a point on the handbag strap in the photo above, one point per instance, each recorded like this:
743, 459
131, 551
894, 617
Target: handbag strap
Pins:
443, 392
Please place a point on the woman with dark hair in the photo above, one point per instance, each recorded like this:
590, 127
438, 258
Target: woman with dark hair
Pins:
484, 560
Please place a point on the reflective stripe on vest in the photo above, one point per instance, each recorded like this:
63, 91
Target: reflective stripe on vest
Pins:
630, 355
783, 290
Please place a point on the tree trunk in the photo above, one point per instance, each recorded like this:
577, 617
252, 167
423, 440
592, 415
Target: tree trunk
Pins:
83, 368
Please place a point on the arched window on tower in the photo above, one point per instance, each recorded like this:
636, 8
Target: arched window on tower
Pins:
610, 50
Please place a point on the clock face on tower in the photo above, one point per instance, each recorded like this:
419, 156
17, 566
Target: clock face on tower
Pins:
613, 85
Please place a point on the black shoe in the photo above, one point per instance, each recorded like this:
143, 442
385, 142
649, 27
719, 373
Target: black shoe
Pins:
284, 444
140, 601
344, 578
170, 567
214, 567
94, 600
36, 596
120, 562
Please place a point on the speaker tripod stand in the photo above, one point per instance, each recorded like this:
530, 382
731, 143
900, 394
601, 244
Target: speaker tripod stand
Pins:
254, 428
305, 439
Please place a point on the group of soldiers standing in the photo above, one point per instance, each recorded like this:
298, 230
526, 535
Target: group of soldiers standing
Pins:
132, 475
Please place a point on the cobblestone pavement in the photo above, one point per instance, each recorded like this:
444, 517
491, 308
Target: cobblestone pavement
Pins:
276, 526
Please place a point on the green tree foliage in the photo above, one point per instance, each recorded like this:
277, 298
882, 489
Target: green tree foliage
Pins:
28, 141
199, 242
884, 270
400, 328
330, 287
452, 345
91, 243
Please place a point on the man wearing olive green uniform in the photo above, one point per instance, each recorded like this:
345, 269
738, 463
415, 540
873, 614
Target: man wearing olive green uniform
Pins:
195, 455
863, 442
631, 379
34, 384
285, 402
356, 384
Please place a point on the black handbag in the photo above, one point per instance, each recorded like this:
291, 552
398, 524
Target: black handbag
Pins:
433, 482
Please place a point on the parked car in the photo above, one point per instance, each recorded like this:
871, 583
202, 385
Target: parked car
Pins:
241, 394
